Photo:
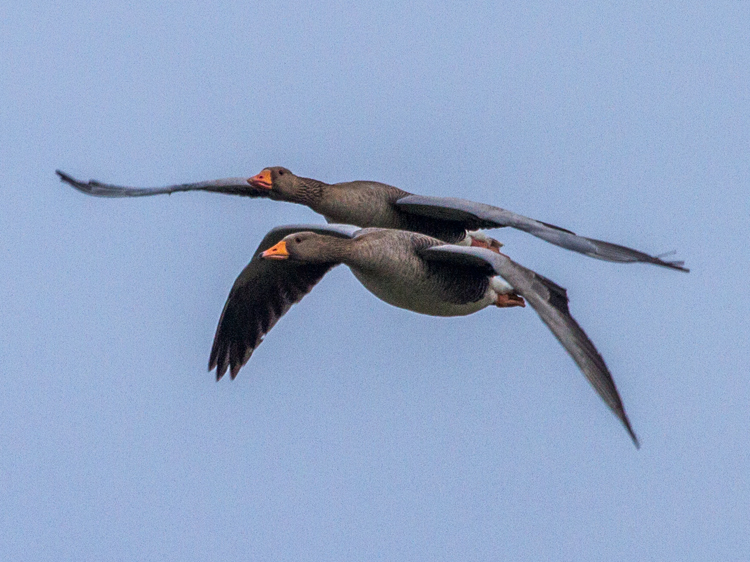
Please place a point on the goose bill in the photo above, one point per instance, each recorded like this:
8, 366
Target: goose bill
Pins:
262, 180
277, 252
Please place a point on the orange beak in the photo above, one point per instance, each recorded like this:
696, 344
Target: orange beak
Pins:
277, 252
262, 180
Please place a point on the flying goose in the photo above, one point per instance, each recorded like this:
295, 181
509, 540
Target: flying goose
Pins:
406, 269
373, 204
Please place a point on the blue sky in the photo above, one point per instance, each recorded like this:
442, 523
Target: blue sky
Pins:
359, 431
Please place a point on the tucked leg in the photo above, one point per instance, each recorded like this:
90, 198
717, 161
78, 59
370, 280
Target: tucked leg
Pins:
507, 300
481, 240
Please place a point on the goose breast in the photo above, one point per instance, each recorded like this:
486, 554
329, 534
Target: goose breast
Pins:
387, 264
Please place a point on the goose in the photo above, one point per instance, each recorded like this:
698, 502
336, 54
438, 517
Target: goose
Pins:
405, 269
373, 204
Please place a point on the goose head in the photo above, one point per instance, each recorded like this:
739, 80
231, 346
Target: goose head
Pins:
280, 183
306, 247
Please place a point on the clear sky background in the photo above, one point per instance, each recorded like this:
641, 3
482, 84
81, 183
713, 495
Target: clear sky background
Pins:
360, 431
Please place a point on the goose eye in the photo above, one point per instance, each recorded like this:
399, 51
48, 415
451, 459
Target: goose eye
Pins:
281, 172
298, 239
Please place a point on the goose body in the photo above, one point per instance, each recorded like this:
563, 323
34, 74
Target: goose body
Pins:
406, 269
387, 263
373, 204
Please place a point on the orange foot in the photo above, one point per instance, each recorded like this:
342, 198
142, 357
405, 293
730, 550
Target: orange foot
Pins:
509, 300
490, 244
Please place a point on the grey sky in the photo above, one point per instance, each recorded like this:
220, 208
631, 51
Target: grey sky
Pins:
359, 431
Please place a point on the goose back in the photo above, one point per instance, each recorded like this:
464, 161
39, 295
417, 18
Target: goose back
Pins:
373, 204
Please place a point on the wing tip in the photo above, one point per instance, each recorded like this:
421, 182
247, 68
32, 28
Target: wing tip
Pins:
65, 177
219, 373
626, 422
679, 265
217, 361
83, 187
222, 361
221, 369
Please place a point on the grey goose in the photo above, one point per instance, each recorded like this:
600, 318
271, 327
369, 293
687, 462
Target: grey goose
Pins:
406, 269
373, 204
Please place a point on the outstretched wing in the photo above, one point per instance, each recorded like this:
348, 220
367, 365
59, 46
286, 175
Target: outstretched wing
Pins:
262, 294
551, 304
478, 215
230, 186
